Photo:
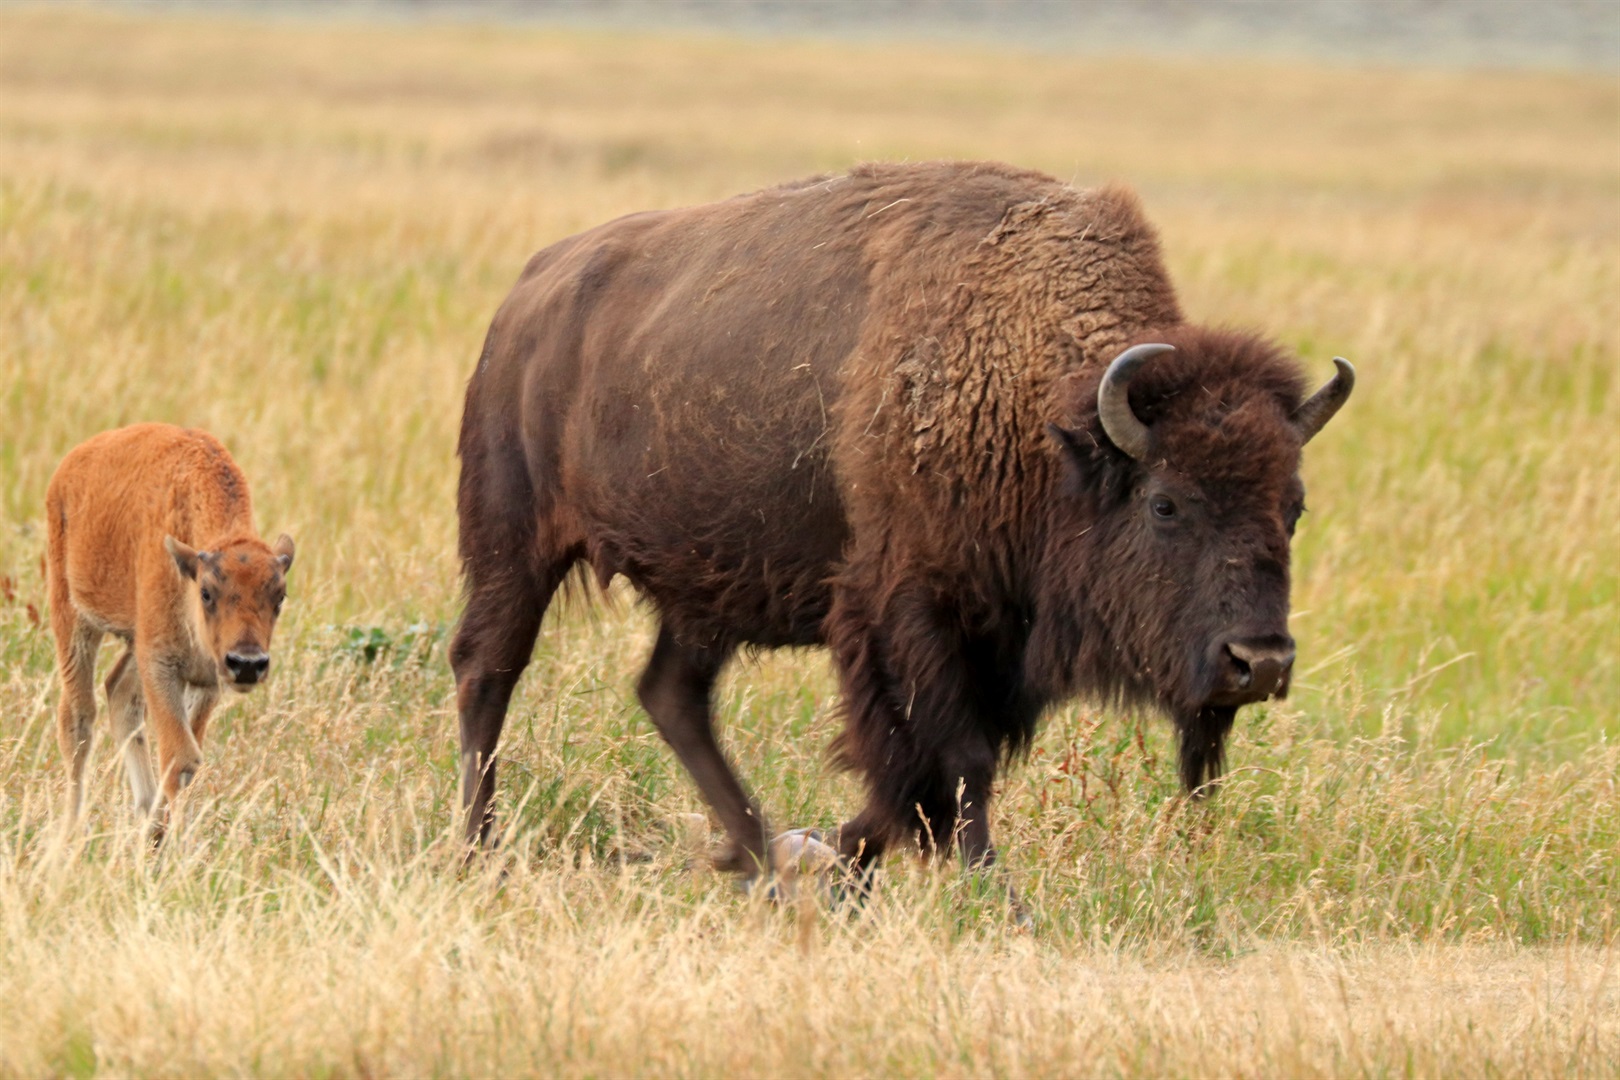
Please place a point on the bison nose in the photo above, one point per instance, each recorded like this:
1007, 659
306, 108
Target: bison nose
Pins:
1258, 670
247, 668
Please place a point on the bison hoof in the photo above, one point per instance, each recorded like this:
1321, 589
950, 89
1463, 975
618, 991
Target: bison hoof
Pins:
734, 858
800, 850
801, 864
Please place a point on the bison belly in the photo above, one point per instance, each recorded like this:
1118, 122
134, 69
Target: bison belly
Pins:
680, 419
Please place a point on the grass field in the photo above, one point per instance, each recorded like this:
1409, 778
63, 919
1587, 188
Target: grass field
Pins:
294, 235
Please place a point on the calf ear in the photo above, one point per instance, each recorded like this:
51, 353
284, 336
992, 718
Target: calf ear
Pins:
283, 551
184, 557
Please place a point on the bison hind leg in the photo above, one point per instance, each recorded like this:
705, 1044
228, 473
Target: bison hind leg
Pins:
128, 711
492, 645
676, 690
1202, 745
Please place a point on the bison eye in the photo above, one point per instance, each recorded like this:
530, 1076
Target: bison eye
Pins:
207, 595
1162, 507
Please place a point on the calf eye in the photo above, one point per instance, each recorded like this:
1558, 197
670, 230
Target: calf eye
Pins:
1162, 507
207, 595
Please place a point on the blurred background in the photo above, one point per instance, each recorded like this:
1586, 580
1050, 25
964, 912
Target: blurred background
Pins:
1511, 33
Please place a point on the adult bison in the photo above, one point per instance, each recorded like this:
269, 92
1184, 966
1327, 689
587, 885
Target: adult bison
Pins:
877, 412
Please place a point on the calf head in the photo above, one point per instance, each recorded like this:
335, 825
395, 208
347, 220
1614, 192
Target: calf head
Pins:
234, 593
1186, 493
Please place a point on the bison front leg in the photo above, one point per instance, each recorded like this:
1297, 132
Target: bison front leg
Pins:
944, 804
927, 712
675, 690
972, 814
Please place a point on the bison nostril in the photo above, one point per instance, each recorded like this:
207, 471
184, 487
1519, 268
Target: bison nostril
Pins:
1259, 668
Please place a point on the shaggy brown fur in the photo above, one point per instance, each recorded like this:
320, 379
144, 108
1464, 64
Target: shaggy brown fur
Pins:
823, 413
151, 538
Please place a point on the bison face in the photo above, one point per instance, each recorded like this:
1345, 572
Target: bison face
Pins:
1225, 557
1175, 557
234, 597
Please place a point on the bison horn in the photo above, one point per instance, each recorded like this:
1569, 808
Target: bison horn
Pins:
1122, 426
1312, 416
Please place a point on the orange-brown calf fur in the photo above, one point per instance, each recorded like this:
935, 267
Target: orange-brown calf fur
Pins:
151, 538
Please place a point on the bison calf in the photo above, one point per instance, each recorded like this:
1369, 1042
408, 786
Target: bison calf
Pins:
151, 538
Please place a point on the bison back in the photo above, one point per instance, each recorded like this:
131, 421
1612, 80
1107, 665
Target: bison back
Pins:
660, 395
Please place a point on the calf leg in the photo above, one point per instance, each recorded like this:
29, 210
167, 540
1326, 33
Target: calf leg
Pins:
200, 702
128, 730
76, 645
168, 725
675, 690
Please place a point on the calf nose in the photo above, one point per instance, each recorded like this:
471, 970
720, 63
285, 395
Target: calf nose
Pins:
247, 668
1259, 670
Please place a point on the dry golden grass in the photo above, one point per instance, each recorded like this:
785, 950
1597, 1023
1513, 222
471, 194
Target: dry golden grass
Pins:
575, 972
295, 235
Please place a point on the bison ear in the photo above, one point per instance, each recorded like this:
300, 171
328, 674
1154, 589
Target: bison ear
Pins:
1079, 453
185, 558
1071, 442
283, 551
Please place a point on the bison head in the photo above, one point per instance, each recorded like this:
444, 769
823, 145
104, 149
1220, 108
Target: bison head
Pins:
234, 595
1170, 550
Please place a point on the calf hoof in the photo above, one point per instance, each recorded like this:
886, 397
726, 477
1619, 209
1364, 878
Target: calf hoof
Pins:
180, 775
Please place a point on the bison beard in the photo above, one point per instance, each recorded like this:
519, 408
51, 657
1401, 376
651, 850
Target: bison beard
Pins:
1202, 742
946, 419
